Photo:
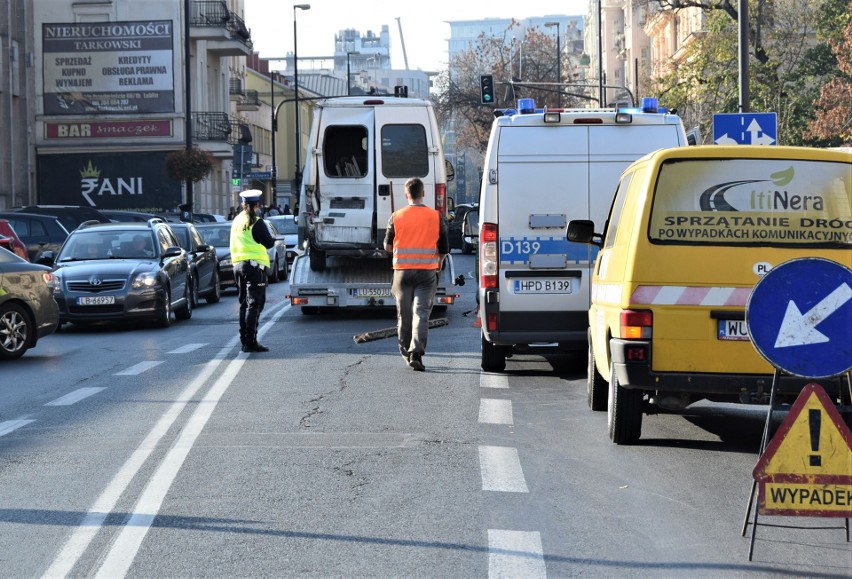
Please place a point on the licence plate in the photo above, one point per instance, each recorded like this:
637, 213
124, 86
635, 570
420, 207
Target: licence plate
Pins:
733, 330
95, 300
373, 292
541, 286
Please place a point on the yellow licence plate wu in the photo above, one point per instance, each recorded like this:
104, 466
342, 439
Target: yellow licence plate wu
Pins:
733, 330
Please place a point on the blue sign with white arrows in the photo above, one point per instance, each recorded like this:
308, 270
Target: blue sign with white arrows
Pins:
799, 317
745, 129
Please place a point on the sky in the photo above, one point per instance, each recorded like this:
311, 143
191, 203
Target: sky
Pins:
424, 24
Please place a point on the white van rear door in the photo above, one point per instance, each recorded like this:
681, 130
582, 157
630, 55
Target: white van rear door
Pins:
543, 184
345, 170
405, 148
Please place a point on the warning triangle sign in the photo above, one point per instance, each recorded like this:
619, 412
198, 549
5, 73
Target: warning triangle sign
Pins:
812, 443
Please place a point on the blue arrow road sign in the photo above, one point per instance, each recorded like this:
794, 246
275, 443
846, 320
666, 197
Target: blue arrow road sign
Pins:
799, 317
745, 129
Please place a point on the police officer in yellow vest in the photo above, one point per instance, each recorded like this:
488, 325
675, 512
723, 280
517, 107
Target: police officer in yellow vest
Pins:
417, 236
250, 239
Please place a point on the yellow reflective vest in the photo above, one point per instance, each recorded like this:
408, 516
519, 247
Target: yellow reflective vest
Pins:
243, 245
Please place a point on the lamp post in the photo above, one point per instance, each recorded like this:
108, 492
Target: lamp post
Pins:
558, 64
274, 128
296, 95
188, 96
349, 74
601, 96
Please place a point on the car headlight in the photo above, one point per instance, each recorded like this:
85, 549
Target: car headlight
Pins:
53, 281
225, 262
144, 280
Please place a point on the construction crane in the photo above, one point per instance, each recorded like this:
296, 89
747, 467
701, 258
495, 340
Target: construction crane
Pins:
402, 41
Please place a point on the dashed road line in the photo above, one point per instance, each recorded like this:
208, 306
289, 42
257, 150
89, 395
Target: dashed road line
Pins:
515, 554
493, 381
74, 396
492, 411
11, 425
186, 348
139, 368
501, 470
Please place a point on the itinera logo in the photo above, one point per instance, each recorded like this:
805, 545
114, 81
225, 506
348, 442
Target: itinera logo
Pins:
757, 198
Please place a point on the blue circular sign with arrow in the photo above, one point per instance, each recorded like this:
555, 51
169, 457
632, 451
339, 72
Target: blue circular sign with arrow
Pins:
799, 317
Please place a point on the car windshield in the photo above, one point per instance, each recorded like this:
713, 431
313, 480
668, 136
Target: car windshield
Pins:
216, 235
89, 245
182, 233
285, 225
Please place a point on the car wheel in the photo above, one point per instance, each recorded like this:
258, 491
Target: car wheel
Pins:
317, 257
194, 293
216, 293
165, 318
15, 328
493, 357
273, 277
467, 248
185, 312
310, 310
595, 383
624, 411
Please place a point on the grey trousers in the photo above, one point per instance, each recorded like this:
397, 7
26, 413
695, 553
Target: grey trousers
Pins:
414, 292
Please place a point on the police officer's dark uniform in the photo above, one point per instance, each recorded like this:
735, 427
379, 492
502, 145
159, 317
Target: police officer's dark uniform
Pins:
250, 239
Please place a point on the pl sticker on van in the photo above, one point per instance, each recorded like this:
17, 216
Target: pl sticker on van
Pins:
517, 250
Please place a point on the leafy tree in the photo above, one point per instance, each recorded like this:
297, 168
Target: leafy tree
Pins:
521, 68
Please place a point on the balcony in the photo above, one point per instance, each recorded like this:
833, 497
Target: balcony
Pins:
250, 102
225, 32
236, 90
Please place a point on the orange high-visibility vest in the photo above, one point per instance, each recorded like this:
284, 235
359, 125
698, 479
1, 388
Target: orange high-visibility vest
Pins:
415, 243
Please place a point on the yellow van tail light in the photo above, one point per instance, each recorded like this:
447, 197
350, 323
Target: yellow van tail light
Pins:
636, 324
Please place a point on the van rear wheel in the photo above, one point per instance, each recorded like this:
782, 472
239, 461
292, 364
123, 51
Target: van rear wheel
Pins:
493, 357
624, 412
595, 383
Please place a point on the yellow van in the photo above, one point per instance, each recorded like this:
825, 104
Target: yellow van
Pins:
690, 232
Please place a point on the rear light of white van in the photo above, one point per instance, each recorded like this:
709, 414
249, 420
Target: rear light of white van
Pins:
441, 198
488, 257
636, 324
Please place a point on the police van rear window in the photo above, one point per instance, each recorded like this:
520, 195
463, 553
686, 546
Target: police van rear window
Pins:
774, 202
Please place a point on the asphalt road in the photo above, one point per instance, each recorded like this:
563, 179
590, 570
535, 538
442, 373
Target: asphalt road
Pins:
143, 452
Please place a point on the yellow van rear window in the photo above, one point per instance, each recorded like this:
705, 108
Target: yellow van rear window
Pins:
753, 202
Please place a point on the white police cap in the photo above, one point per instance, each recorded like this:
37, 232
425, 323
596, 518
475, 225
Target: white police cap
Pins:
251, 195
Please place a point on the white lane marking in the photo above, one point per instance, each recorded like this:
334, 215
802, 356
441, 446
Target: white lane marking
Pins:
493, 380
139, 368
492, 411
515, 554
74, 396
186, 348
10, 425
501, 470
126, 545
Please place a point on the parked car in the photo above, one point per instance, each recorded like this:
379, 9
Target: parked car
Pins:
11, 241
456, 226
121, 215
122, 272
28, 311
219, 236
70, 216
38, 232
203, 263
289, 228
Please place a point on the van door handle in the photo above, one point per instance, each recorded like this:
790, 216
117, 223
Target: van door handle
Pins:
384, 190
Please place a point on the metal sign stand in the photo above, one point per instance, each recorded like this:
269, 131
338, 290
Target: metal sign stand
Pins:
764, 442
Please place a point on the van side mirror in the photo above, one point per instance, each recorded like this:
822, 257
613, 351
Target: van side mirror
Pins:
450, 170
583, 231
46, 258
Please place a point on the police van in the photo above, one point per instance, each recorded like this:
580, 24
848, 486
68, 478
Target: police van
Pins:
543, 168
360, 153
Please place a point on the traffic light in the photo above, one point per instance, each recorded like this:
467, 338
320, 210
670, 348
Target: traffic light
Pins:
486, 89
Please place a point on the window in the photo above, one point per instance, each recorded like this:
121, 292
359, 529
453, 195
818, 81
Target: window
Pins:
404, 151
615, 212
345, 151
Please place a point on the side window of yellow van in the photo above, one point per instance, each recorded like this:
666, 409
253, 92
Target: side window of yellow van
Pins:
615, 211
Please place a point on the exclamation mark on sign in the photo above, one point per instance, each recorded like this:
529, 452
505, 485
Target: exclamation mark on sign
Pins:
815, 421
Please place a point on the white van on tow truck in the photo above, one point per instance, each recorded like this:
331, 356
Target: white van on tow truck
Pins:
543, 168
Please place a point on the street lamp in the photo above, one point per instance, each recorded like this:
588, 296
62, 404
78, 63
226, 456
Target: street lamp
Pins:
558, 64
296, 91
348, 73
